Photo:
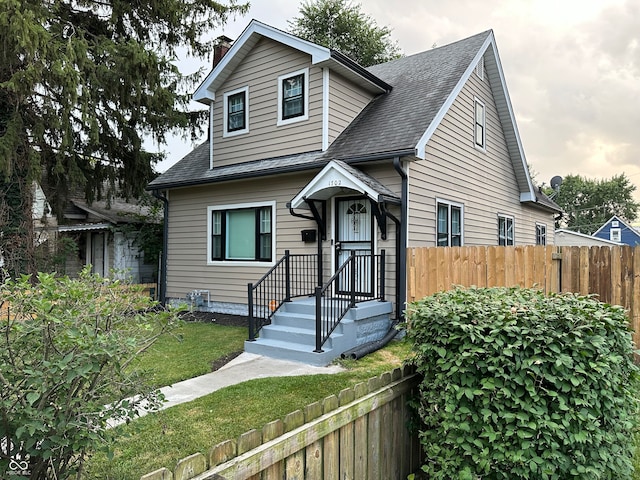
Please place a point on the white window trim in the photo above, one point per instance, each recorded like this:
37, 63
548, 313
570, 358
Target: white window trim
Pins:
281, 122
451, 204
617, 231
225, 112
483, 147
239, 206
539, 224
513, 224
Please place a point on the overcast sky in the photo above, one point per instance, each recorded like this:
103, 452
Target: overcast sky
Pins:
572, 69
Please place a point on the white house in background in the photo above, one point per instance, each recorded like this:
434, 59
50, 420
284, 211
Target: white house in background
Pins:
568, 238
105, 235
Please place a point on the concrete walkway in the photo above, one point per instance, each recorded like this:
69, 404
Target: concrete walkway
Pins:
246, 366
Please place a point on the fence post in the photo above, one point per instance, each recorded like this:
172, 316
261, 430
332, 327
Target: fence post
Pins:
352, 275
382, 275
287, 276
252, 321
318, 320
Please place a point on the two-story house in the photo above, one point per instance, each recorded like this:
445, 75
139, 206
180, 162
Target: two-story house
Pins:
313, 161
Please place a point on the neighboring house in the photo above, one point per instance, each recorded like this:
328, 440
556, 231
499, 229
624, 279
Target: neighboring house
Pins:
44, 222
618, 230
310, 153
569, 238
104, 233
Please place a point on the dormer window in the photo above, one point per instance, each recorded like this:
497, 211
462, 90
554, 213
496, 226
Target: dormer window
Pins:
236, 112
293, 97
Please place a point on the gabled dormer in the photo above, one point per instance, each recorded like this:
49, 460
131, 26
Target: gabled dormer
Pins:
274, 94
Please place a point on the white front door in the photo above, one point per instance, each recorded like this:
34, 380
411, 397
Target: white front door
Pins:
354, 233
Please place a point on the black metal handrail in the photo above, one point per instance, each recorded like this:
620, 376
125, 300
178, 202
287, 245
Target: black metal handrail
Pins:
292, 276
360, 278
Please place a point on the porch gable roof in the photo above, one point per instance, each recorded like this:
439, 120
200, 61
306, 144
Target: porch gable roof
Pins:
338, 177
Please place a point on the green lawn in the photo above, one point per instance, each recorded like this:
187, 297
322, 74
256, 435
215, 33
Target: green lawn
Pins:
161, 439
188, 352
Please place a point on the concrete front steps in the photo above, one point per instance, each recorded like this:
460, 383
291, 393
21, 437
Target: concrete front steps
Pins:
292, 332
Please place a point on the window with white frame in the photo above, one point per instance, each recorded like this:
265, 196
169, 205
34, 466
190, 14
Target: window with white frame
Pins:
449, 228
480, 133
241, 233
541, 234
236, 112
293, 97
615, 234
505, 230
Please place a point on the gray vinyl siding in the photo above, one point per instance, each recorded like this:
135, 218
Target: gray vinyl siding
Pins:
187, 254
260, 71
483, 182
187, 265
346, 101
386, 174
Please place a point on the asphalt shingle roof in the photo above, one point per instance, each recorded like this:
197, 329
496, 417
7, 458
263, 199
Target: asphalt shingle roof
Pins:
421, 84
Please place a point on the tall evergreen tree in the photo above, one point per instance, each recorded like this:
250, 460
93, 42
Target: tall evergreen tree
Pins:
588, 204
342, 26
82, 82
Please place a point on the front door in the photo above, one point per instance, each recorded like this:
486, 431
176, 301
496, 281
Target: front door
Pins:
354, 233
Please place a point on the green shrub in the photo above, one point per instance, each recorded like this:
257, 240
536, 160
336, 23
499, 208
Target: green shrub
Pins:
518, 385
64, 349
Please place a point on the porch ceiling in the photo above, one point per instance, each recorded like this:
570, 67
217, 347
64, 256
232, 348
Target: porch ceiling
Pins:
339, 178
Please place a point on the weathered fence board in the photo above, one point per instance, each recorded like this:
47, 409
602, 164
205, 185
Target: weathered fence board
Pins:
358, 434
612, 273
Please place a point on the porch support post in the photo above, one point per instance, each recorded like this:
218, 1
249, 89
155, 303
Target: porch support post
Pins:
287, 276
318, 320
382, 274
352, 275
252, 320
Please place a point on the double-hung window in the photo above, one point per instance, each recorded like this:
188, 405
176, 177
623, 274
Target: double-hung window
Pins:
505, 230
236, 112
541, 234
615, 234
241, 233
480, 132
449, 231
293, 97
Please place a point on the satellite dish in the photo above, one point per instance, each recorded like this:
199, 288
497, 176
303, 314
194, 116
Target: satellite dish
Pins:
556, 182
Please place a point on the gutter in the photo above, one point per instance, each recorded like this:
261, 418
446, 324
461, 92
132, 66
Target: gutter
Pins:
162, 293
199, 180
357, 68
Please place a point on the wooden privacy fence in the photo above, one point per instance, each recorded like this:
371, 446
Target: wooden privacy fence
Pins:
361, 433
612, 273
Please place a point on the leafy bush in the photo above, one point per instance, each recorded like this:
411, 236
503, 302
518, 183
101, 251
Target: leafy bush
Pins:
64, 349
521, 385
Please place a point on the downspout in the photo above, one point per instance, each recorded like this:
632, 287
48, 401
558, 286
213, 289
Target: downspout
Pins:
401, 268
401, 256
162, 294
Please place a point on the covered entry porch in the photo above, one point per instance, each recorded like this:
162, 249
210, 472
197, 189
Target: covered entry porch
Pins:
338, 298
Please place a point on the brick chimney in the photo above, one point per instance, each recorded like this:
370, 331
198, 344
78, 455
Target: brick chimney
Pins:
220, 48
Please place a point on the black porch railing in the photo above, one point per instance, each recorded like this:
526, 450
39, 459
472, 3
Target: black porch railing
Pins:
361, 278
293, 276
